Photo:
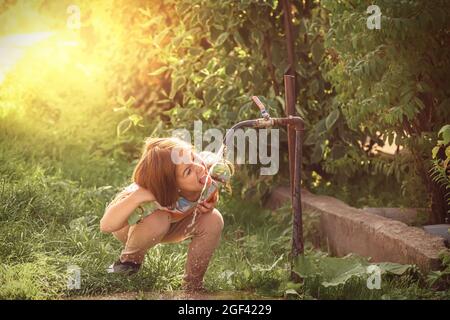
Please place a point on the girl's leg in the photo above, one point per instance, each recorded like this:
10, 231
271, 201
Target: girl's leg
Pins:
205, 233
122, 234
144, 235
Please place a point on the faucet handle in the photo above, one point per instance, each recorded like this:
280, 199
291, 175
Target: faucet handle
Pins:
261, 107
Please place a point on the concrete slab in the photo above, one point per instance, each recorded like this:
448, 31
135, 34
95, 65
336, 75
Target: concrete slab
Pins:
406, 215
350, 230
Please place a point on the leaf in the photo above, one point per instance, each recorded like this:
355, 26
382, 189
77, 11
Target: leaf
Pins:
229, 93
159, 71
239, 40
354, 42
337, 271
135, 119
195, 51
230, 69
317, 152
210, 95
434, 151
259, 37
304, 267
302, 27
123, 126
407, 97
176, 85
245, 77
314, 87
331, 119
302, 71
281, 101
320, 127
333, 271
121, 109
345, 273
177, 41
419, 103
222, 38
338, 151
163, 101
130, 102
219, 26
294, 285
206, 114
445, 131
394, 268
311, 138
317, 51
291, 292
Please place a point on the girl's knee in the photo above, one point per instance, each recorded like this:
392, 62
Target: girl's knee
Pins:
218, 219
213, 222
122, 234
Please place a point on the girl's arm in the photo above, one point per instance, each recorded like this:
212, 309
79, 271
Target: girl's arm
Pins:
116, 215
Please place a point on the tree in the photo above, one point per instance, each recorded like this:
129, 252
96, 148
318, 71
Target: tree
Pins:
393, 82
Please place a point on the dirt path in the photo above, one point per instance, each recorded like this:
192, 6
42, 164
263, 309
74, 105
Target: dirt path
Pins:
178, 295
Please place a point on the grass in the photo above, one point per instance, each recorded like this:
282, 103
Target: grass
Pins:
55, 181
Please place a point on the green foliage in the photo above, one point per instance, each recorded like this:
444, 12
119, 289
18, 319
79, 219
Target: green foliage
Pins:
182, 61
50, 222
441, 279
203, 60
161, 65
440, 171
326, 277
391, 83
334, 272
40, 279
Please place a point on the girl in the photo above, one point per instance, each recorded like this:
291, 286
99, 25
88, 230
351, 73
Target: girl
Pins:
167, 195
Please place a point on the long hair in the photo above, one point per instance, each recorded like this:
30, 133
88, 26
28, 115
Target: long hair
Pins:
156, 171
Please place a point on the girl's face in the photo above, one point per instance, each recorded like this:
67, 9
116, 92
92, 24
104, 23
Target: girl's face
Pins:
191, 173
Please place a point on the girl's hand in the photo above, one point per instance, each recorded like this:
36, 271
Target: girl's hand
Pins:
208, 206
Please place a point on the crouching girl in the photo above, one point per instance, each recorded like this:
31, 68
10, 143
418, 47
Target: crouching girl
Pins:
164, 205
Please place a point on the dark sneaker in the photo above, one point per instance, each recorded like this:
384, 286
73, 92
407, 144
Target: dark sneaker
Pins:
126, 267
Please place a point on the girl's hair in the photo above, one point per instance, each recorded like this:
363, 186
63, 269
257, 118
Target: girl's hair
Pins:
156, 171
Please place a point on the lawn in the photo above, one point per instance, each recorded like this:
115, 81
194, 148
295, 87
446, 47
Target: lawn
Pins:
53, 192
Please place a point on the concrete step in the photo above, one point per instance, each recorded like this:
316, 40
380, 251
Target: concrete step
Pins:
346, 230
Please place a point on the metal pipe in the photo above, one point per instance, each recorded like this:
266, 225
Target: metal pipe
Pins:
295, 164
295, 124
261, 107
297, 234
289, 85
242, 124
289, 31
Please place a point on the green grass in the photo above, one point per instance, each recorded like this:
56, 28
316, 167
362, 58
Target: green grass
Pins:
55, 182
